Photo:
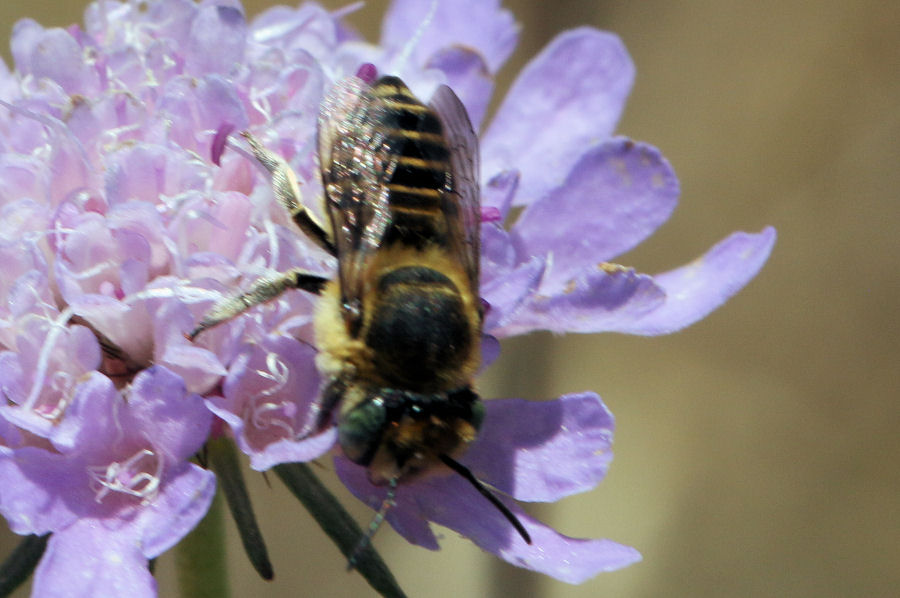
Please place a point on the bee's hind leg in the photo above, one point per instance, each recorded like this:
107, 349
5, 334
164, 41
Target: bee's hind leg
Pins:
284, 184
264, 289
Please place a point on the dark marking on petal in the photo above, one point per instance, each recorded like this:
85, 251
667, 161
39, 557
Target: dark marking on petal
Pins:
218, 143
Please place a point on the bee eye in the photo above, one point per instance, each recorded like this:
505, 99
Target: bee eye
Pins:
360, 431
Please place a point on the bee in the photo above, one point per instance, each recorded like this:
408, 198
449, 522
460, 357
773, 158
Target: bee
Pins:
399, 328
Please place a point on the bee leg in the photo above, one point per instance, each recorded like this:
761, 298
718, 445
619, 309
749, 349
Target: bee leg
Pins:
284, 184
264, 289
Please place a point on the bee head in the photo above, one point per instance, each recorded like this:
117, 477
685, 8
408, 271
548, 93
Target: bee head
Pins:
401, 434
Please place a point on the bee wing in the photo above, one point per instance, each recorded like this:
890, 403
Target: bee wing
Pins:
462, 204
356, 162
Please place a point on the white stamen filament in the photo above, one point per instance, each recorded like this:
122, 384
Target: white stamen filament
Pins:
61, 384
265, 413
40, 371
128, 476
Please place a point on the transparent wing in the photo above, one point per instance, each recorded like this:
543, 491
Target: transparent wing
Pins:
462, 203
356, 162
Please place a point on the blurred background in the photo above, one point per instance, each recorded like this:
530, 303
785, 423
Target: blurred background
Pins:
757, 451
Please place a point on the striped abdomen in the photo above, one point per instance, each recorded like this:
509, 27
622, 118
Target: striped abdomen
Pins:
422, 171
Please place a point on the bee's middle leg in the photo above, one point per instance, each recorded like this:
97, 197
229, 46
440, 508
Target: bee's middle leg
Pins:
284, 185
264, 289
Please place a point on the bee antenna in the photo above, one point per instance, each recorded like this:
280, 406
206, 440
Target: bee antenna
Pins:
464, 472
376, 522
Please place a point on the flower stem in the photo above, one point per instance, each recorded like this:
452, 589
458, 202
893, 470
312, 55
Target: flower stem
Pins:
200, 557
339, 525
21, 563
223, 460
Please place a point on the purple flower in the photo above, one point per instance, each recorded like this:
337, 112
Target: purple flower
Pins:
127, 211
113, 484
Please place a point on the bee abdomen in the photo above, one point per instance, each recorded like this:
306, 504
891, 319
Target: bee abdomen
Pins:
421, 173
418, 327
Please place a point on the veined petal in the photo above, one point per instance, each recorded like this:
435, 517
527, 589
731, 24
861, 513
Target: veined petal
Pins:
695, 290
452, 502
85, 561
182, 503
570, 96
616, 196
572, 560
594, 301
217, 40
543, 450
170, 416
39, 494
468, 77
478, 24
409, 523
506, 293
270, 403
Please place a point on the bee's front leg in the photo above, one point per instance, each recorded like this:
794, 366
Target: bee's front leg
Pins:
264, 289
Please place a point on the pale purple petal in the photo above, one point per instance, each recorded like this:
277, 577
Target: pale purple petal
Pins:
54, 54
200, 368
89, 424
217, 40
477, 24
270, 402
129, 326
161, 407
543, 450
452, 502
143, 220
569, 96
218, 102
309, 29
500, 191
83, 562
263, 457
48, 380
694, 290
616, 196
572, 560
21, 177
597, 300
507, 292
149, 173
220, 223
89, 256
39, 493
468, 76
498, 254
292, 451
180, 506
409, 523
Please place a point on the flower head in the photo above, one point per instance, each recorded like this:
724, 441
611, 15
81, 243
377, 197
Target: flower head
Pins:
128, 210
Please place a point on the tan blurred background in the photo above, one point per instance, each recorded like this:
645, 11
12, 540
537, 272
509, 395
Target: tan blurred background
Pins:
756, 452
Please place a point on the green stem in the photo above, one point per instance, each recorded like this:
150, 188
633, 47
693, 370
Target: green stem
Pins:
21, 563
200, 557
339, 525
224, 461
